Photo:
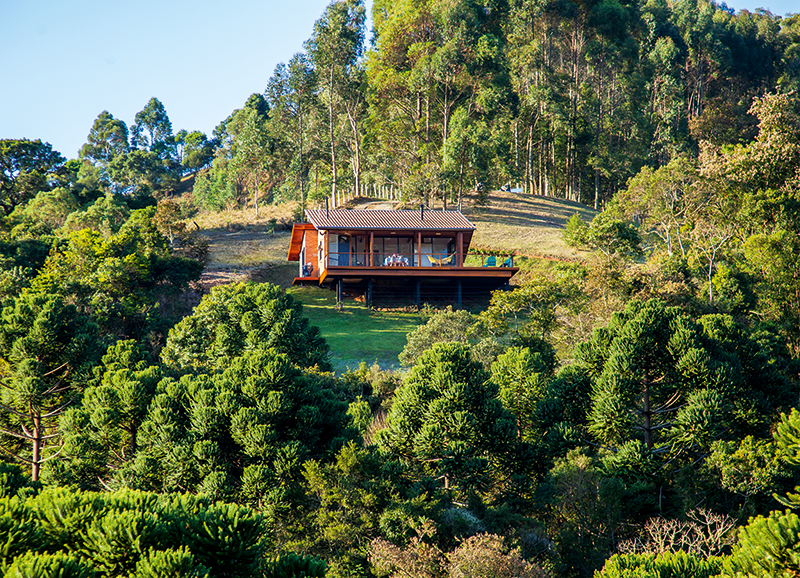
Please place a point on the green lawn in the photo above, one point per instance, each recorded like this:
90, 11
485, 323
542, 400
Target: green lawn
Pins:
356, 334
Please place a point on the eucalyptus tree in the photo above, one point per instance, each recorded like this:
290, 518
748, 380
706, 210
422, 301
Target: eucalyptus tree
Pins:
107, 140
335, 48
252, 148
292, 99
228, 178
152, 128
193, 150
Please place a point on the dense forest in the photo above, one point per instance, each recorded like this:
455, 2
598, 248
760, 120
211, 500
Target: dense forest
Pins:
633, 414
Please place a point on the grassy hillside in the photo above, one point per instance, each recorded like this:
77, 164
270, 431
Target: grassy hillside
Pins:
355, 333
245, 248
526, 224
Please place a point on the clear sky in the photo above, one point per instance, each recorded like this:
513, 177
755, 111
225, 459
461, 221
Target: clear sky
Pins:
62, 62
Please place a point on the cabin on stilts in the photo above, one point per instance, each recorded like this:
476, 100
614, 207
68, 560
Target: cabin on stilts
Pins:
420, 254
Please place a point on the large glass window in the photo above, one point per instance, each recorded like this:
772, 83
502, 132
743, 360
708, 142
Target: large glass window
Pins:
393, 251
339, 250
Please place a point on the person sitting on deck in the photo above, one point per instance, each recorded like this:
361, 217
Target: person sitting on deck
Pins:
308, 268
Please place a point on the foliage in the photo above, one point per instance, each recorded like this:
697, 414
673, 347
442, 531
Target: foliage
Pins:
26, 167
767, 546
666, 565
240, 434
477, 557
118, 279
530, 313
447, 423
100, 436
294, 566
659, 373
485, 555
232, 319
521, 376
445, 326
46, 349
135, 534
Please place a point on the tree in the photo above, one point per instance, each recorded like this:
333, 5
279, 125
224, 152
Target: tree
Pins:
125, 533
642, 379
239, 434
294, 106
531, 312
675, 565
47, 348
521, 377
251, 150
107, 139
25, 167
447, 423
152, 129
444, 326
100, 436
45, 213
675, 384
335, 47
661, 201
118, 278
234, 318
194, 150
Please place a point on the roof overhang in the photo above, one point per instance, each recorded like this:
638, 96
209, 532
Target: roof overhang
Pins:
296, 243
386, 220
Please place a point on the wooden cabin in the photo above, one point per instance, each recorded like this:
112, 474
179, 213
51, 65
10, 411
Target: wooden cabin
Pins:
397, 252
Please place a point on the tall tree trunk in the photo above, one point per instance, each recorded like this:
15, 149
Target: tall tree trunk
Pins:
36, 462
648, 416
356, 151
334, 191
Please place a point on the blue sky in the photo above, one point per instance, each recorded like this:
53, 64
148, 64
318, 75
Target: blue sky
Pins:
65, 61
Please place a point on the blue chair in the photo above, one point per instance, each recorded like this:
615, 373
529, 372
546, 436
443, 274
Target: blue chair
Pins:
491, 261
508, 262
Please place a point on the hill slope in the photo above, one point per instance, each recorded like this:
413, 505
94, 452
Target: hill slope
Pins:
526, 224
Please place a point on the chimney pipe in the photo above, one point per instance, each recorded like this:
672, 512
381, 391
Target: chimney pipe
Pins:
422, 212
327, 215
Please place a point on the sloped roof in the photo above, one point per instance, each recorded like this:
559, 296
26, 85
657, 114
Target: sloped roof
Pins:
389, 220
296, 242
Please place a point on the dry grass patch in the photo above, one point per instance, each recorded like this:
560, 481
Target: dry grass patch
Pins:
526, 224
282, 213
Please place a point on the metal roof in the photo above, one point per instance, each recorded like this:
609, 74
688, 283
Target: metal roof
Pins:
389, 220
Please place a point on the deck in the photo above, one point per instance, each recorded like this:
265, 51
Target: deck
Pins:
351, 273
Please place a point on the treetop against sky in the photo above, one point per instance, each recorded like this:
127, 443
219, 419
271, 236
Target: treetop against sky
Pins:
201, 59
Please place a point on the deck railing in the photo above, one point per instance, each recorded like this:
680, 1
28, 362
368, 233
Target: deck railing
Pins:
350, 259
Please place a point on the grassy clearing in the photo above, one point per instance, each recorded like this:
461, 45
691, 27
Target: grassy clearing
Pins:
235, 219
356, 334
244, 248
526, 224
